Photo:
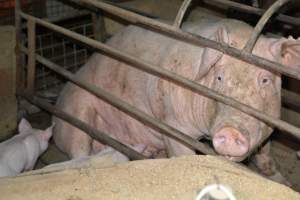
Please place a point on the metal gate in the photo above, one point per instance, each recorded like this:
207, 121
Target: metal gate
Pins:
26, 78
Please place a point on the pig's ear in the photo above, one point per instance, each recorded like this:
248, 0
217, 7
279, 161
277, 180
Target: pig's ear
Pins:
287, 51
24, 126
210, 56
46, 134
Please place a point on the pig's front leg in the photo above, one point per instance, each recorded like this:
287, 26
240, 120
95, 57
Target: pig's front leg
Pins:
267, 166
173, 147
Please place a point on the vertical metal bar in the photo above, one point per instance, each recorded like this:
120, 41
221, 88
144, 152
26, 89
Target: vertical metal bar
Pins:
31, 55
19, 64
181, 12
98, 26
262, 22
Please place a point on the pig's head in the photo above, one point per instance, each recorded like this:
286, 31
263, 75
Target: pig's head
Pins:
233, 132
42, 136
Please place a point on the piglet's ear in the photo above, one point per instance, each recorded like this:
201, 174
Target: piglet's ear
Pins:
287, 51
210, 56
47, 134
24, 126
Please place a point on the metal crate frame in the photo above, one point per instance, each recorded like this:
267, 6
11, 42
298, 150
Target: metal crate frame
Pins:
174, 31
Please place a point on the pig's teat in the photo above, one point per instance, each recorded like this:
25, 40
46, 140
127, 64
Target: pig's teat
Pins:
229, 141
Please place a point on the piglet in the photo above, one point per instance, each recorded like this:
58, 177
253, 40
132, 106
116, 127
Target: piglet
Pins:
21, 152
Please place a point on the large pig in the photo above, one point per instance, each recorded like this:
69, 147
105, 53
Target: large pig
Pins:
233, 133
21, 152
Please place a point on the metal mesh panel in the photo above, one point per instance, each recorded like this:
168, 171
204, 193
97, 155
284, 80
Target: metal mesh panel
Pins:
63, 52
49, 44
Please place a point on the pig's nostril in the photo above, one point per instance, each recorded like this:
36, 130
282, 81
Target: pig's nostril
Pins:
239, 142
220, 140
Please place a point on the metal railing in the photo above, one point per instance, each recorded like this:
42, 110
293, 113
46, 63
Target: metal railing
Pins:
172, 31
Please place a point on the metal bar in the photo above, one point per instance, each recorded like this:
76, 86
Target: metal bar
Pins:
173, 77
19, 65
249, 9
31, 56
181, 12
127, 108
190, 38
94, 133
261, 23
98, 26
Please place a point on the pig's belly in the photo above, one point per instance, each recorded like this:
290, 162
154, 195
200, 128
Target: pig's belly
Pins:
125, 128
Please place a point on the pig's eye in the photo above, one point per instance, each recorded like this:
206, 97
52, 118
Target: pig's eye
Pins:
219, 78
265, 80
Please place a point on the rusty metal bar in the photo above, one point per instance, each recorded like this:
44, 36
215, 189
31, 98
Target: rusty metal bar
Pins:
181, 12
171, 76
31, 26
190, 38
261, 23
127, 108
19, 65
94, 133
249, 9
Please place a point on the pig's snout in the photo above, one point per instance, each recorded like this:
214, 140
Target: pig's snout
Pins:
229, 141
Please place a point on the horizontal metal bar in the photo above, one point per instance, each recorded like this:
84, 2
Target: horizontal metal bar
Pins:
252, 10
173, 77
127, 108
190, 38
91, 131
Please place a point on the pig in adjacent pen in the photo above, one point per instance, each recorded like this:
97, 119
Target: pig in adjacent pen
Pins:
233, 132
21, 152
